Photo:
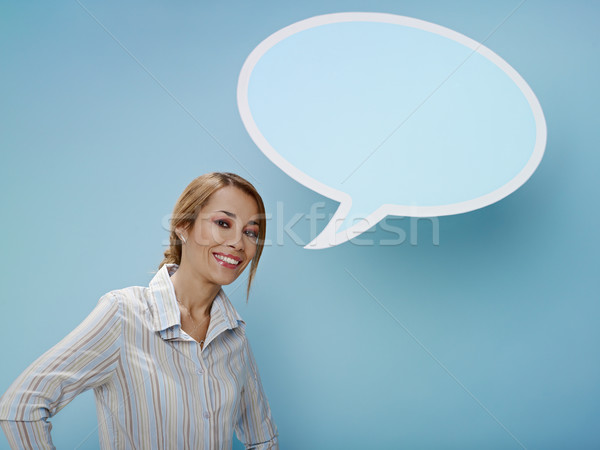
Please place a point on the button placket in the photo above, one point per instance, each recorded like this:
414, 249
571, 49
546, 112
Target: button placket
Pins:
200, 361
203, 356
193, 356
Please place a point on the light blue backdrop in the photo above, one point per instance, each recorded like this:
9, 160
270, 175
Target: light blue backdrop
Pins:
487, 340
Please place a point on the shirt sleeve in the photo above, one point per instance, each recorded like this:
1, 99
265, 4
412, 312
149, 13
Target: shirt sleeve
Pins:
86, 358
255, 426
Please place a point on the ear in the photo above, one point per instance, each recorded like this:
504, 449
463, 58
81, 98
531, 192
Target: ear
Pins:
181, 232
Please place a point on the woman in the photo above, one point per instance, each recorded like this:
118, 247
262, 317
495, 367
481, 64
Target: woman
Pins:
170, 363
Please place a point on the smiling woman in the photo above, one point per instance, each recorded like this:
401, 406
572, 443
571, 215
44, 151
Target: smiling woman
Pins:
170, 364
232, 204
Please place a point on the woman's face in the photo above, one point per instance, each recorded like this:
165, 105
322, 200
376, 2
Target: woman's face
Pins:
223, 240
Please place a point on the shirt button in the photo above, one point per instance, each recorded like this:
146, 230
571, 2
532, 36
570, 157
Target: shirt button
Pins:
206, 414
199, 371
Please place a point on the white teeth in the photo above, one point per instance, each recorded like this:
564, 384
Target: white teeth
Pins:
226, 259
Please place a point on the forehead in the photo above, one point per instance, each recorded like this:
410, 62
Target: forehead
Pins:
233, 200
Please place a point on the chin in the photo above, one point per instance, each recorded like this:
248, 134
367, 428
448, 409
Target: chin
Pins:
225, 280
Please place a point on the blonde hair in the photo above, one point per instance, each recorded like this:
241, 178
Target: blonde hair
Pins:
194, 197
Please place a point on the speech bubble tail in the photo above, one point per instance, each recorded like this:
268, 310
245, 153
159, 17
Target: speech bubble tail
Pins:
339, 230
327, 237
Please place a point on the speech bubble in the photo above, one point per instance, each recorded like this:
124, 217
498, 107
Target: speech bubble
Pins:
390, 115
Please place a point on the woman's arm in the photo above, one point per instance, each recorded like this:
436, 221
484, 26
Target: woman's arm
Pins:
255, 426
84, 359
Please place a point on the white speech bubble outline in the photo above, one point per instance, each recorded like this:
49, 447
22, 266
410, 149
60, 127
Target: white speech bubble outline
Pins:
329, 237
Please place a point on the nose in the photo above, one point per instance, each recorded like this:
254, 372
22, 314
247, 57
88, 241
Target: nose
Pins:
237, 246
237, 242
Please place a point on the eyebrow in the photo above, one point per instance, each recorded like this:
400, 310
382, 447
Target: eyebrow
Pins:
230, 214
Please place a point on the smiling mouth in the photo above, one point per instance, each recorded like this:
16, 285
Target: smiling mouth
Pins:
227, 261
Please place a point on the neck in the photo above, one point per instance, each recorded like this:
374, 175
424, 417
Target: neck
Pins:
193, 291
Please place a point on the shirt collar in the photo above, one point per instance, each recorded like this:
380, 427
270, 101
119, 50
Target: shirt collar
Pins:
166, 317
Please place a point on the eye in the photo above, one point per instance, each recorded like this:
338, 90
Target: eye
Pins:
252, 233
222, 223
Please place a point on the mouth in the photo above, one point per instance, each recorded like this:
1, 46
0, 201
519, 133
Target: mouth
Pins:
229, 261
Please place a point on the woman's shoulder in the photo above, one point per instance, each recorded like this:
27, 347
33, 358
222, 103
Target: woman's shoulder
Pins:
131, 298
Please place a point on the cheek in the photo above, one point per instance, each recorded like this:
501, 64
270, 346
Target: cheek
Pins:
250, 255
203, 237
248, 264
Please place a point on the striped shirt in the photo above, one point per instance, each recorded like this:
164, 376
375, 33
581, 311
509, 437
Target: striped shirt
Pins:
154, 386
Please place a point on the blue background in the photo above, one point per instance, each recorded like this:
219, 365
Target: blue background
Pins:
95, 151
